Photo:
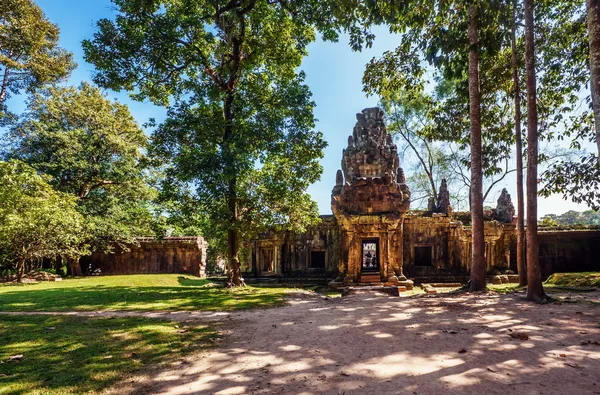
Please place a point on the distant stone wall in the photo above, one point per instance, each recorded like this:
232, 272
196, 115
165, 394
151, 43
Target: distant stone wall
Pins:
569, 251
167, 255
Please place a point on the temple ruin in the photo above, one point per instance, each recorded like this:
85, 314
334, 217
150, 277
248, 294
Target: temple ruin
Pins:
372, 236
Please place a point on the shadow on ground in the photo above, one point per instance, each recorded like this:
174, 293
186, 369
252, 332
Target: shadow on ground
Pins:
371, 344
191, 294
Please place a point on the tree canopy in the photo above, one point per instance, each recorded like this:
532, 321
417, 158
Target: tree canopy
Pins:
29, 53
36, 221
239, 138
92, 149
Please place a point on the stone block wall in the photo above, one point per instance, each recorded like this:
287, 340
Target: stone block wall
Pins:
569, 251
186, 255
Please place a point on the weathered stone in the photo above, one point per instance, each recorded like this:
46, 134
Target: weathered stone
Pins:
339, 178
505, 210
371, 155
443, 199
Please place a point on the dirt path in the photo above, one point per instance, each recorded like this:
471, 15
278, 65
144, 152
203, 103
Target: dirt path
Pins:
372, 344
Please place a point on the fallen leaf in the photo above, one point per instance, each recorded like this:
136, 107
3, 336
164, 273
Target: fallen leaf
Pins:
562, 355
519, 335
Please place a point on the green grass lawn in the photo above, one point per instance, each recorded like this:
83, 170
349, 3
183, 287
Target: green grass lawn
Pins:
135, 292
63, 355
583, 279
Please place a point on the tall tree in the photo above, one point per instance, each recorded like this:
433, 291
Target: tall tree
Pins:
29, 53
92, 149
535, 290
471, 38
239, 132
518, 149
477, 282
593, 23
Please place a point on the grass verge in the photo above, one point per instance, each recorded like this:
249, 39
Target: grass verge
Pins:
73, 355
584, 279
150, 292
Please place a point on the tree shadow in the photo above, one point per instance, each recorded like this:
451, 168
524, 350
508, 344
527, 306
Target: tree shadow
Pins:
377, 344
192, 296
81, 355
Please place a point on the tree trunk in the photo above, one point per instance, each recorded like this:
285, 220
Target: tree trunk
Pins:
519, 149
234, 273
74, 267
477, 282
593, 21
58, 266
4, 85
233, 241
20, 269
535, 290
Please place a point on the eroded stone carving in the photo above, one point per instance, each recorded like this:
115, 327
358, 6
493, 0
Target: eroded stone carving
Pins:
443, 199
505, 210
374, 182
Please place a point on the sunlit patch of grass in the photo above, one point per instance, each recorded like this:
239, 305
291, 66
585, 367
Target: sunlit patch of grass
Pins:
583, 279
73, 355
505, 288
137, 292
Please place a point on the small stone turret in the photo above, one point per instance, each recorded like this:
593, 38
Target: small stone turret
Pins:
505, 210
374, 182
443, 199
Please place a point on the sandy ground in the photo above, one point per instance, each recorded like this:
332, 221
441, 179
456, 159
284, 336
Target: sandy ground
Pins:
375, 344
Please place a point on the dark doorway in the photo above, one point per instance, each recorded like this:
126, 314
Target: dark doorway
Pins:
317, 260
423, 256
370, 255
267, 260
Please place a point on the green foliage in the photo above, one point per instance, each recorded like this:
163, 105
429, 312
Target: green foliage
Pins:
435, 35
92, 149
29, 53
77, 355
36, 221
565, 102
572, 217
238, 142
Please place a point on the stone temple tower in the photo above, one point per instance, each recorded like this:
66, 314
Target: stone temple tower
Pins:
369, 201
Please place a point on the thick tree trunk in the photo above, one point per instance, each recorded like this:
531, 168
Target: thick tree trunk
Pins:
58, 265
74, 267
233, 240
20, 269
519, 148
234, 273
477, 282
535, 290
593, 20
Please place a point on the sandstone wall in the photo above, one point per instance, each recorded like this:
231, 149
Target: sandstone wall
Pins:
567, 251
292, 253
168, 255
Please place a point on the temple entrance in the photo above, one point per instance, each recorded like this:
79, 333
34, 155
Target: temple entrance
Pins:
370, 255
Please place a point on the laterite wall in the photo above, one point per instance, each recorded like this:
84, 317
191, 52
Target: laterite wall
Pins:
168, 255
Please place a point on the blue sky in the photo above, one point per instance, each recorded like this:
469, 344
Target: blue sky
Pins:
333, 73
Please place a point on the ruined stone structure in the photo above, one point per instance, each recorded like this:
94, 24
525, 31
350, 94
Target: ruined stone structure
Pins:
167, 255
372, 236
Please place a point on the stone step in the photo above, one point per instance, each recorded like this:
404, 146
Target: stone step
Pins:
370, 278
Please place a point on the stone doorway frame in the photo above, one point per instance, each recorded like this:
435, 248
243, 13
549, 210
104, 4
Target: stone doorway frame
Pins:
376, 241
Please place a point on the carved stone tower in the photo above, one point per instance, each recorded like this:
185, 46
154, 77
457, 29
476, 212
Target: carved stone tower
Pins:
369, 200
